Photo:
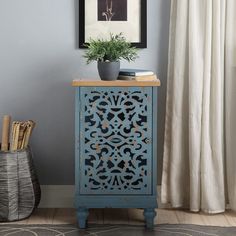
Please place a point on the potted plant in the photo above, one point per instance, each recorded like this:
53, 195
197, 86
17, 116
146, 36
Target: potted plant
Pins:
108, 54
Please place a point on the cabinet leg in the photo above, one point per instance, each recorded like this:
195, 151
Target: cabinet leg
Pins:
82, 215
149, 215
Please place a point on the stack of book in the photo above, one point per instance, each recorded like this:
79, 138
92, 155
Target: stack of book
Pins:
21, 132
136, 74
18, 136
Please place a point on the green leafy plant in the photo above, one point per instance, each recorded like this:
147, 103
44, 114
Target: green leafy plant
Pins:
114, 49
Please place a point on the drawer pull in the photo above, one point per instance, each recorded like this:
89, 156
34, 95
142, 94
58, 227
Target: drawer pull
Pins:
147, 140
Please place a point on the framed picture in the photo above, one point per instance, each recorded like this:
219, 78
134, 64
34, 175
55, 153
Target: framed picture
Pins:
99, 18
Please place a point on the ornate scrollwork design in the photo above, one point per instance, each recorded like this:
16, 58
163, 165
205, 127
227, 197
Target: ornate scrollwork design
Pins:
115, 133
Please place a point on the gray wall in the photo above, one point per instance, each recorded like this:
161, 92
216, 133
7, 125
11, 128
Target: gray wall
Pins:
38, 60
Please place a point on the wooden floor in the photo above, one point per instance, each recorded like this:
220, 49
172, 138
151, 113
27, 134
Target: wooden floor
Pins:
129, 216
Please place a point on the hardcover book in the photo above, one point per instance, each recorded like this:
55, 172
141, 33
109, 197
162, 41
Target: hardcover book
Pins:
138, 78
135, 72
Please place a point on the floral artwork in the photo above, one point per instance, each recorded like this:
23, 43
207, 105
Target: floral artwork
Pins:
112, 10
101, 18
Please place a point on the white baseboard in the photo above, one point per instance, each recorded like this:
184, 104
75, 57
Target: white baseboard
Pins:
57, 196
62, 196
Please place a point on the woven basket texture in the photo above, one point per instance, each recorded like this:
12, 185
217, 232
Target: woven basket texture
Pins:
19, 186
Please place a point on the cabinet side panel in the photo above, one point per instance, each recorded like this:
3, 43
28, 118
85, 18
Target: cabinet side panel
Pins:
154, 137
77, 142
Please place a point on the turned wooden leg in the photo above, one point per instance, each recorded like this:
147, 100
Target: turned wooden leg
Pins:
82, 215
149, 215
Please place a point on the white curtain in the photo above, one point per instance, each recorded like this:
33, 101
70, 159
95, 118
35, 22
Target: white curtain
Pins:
230, 100
199, 166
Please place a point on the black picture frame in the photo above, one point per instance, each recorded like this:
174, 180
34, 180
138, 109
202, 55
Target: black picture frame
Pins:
143, 25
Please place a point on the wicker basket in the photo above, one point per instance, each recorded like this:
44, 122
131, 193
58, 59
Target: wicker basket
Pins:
19, 187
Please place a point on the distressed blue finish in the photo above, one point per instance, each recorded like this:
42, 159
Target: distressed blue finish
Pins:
149, 214
115, 141
116, 149
82, 214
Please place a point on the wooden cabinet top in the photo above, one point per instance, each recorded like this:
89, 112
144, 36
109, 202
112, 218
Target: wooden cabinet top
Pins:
116, 83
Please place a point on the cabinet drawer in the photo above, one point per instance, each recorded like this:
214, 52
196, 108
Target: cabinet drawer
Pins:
115, 132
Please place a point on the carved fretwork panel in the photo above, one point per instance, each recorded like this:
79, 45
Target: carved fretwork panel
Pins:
115, 140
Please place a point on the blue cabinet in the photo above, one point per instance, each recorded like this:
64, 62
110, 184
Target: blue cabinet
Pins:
116, 149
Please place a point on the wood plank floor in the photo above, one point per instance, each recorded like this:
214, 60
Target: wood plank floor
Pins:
129, 216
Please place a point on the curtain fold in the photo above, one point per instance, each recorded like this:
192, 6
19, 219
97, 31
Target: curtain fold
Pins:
230, 101
194, 171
